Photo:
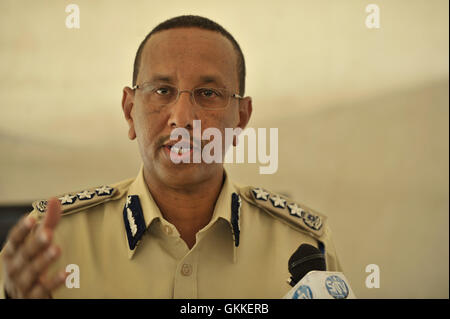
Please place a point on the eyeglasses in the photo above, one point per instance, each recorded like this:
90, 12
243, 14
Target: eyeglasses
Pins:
163, 94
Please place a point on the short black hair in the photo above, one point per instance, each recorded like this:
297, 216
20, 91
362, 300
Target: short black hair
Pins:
201, 23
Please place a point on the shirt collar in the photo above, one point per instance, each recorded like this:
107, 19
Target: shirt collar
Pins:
222, 208
223, 211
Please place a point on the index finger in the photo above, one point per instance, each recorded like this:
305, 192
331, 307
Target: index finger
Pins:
53, 213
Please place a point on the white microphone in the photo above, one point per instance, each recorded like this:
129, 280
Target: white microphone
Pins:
310, 280
321, 285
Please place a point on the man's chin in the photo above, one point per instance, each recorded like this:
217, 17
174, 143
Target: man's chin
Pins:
187, 176
182, 173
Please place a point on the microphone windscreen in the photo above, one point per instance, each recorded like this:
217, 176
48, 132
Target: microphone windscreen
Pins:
305, 259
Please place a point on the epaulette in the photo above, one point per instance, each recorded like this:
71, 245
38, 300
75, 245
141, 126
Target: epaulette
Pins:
76, 201
297, 215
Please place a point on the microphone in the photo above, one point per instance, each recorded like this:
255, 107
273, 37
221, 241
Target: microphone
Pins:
305, 259
310, 280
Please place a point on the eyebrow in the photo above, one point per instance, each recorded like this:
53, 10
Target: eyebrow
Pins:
207, 79
162, 78
204, 79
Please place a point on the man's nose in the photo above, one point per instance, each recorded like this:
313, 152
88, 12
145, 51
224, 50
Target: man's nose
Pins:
182, 113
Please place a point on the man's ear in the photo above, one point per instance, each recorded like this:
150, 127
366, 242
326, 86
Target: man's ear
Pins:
245, 112
127, 107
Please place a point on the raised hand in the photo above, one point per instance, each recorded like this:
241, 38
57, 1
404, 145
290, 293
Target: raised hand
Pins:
28, 253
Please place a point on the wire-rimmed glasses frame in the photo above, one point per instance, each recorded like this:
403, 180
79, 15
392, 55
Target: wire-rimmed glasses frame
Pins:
220, 99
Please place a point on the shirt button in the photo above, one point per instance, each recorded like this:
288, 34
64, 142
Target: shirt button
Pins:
186, 270
168, 230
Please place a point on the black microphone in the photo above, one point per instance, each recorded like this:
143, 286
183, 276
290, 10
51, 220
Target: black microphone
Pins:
305, 259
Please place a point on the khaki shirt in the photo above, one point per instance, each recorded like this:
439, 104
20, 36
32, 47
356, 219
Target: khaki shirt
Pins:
124, 248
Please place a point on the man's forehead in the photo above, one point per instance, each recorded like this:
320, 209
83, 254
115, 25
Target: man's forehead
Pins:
174, 47
194, 35
202, 78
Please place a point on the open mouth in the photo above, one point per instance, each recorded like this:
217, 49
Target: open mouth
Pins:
179, 150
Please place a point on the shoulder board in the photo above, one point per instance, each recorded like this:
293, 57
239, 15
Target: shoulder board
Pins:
76, 201
281, 207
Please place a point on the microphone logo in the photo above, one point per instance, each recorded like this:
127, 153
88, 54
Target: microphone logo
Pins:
336, 287
303, 292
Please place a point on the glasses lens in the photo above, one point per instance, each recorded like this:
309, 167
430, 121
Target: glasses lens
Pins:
159, 94
162, 94
211, 98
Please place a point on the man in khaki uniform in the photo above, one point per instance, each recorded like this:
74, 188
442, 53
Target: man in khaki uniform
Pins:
176, 230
